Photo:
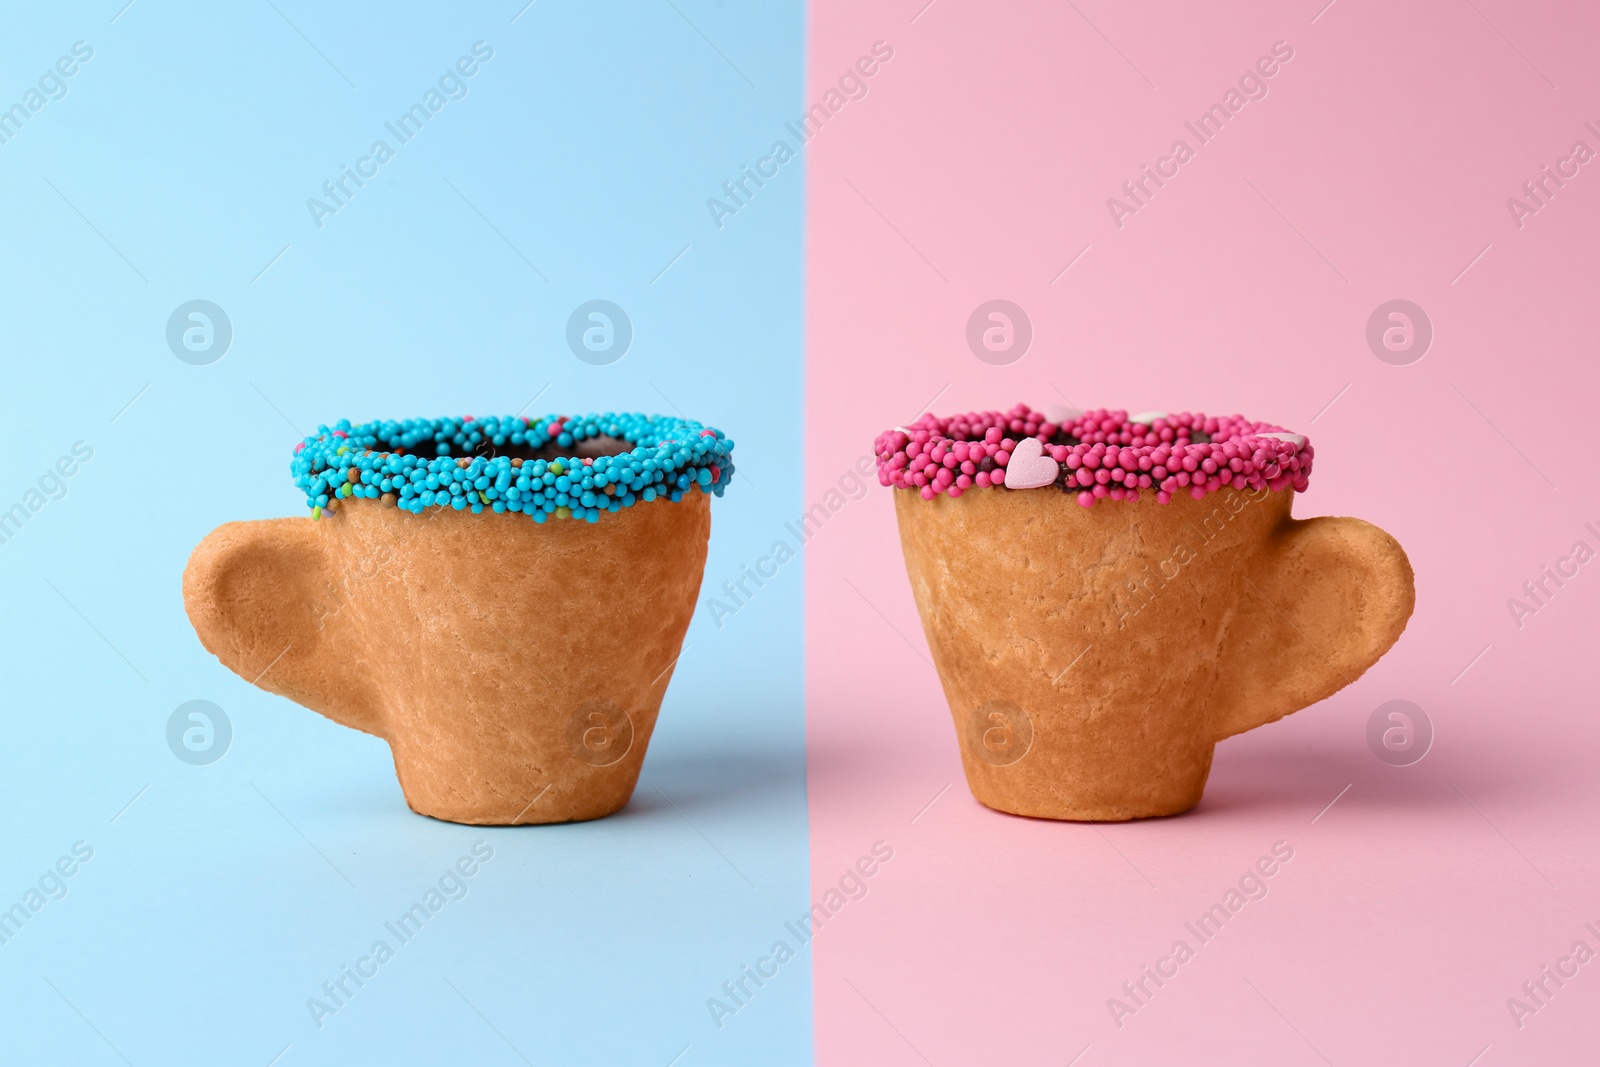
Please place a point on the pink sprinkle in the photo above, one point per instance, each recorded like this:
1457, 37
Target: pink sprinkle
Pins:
1102, 451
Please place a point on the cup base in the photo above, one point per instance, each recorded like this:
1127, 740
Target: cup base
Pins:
521, 796
1034, 805
1082, 784
503, 816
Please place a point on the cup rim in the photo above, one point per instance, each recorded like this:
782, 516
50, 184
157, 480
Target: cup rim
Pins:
1097, 454
471, 465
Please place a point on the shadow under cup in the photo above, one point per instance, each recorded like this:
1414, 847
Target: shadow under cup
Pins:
1093, 657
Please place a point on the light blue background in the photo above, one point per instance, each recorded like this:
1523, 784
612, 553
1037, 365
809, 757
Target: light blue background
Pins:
181, 160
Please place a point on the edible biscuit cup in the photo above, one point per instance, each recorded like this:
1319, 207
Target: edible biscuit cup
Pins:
1109, 607
502, 600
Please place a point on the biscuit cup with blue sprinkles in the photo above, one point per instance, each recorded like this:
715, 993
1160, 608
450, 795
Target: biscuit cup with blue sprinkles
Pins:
501, 599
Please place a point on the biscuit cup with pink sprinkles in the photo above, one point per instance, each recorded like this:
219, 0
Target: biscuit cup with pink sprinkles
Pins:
1106, 597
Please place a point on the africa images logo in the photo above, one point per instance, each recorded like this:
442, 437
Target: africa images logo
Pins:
452, 85
1252, 85
51, 86
851, 85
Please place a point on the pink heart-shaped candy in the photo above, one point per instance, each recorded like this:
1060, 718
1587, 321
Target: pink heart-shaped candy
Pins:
1029, 467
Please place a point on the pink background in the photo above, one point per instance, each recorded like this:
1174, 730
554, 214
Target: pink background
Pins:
1378, 167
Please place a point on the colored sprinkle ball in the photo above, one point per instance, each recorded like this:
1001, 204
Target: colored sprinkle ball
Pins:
491, 463
1093, 455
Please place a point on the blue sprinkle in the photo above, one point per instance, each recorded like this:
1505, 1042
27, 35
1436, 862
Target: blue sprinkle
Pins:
668, 457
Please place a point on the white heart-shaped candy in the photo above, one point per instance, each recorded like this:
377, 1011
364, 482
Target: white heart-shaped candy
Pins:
1147, 417
1029, 467
1293, 438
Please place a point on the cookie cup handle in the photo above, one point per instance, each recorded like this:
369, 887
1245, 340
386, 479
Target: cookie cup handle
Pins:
265, 599
1333, 596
